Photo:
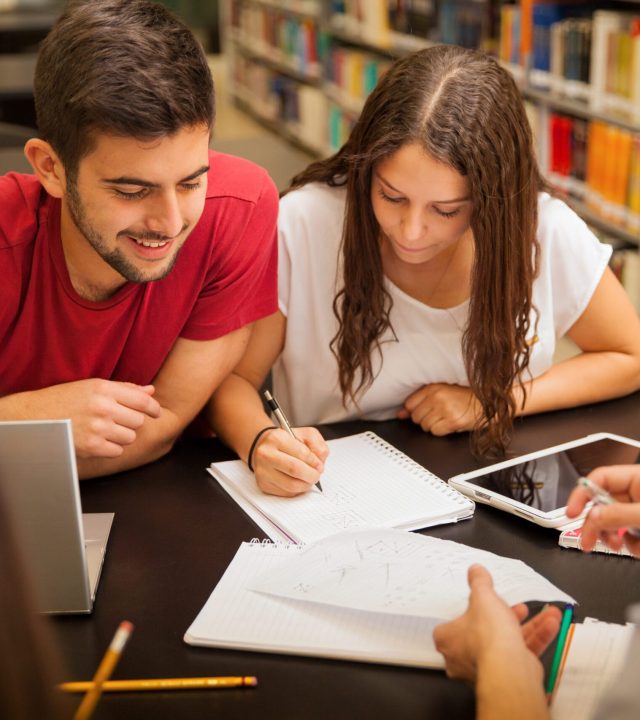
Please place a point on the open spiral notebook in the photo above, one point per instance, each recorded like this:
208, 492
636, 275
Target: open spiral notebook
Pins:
234, 617
367, 483
365, 595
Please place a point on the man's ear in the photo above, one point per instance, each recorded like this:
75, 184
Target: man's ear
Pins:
47, 166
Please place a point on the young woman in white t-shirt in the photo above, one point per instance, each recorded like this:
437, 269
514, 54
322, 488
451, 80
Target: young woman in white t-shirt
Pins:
425, 274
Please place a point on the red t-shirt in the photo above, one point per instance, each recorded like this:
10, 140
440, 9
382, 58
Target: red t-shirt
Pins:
224, 277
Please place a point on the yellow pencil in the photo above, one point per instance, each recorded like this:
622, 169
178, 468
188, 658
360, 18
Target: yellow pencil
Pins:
208, 683
104, 671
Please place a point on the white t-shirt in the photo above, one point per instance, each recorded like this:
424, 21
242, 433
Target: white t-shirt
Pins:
426, 347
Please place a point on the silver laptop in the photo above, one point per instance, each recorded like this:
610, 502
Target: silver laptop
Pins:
63, 549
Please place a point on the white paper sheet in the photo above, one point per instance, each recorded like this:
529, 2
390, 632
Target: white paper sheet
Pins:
400, 573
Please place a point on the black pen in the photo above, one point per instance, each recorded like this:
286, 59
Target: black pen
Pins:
281, 419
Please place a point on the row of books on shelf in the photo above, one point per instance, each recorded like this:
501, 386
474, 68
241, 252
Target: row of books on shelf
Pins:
353, 74
298, 109
598, 164
349, 74
585, 55
385, 23
307, 113
291, 40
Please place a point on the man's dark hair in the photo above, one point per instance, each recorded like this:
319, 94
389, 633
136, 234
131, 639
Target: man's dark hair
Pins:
125, 67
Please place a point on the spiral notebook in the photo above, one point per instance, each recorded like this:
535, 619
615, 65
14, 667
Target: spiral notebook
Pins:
573, 539
235, 617
367, 483
362, 595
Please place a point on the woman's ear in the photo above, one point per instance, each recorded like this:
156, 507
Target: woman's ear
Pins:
47, 166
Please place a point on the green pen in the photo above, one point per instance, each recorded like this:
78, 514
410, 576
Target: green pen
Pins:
567, 616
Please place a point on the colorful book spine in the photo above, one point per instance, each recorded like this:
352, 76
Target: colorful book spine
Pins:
368, 21
288, 39
634, 80
615, 65
597, 163
299, 108
633, 220
562, 52
340, 125
466, 23
352, 75
418, 18
509, 44
544, 16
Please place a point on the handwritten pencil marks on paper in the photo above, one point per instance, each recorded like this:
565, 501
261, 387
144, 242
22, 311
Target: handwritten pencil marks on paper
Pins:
398, 572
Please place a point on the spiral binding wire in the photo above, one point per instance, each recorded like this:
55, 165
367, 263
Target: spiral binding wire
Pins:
265, 542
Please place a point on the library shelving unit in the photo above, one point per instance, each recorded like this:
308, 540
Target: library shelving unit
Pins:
276, 74
305, 67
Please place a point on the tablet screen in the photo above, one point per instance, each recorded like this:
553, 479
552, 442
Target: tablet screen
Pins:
545, 483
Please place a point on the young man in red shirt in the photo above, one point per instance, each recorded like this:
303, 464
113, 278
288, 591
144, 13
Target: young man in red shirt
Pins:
134, 260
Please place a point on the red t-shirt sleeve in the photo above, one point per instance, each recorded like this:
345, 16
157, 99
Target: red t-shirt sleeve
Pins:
241, 282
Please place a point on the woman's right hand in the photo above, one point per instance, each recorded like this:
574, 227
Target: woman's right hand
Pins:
289, 466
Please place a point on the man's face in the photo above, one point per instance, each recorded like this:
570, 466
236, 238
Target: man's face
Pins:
135, 202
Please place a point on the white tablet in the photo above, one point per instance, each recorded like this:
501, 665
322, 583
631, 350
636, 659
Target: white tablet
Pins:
537, 486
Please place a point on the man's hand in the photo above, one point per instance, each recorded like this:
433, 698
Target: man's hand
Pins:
105, 414
490, 629
442, 409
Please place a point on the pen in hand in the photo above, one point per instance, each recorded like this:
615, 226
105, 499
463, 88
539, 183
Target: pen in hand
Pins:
563, 633
281, 419
601, 497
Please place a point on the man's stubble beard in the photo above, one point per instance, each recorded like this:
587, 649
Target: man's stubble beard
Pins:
115, 258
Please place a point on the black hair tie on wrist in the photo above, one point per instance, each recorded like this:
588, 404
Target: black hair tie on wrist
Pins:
255, 442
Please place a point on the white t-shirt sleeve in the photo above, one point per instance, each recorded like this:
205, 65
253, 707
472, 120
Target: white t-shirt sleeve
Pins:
572, 262
285, 223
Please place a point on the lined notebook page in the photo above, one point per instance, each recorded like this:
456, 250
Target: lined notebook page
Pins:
595, 658
235, 617
367, 482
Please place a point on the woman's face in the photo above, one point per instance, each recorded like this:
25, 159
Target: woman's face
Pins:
422, 205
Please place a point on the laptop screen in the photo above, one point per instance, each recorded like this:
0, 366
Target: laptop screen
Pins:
40, 482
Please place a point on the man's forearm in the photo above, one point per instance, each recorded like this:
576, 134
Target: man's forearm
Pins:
26, 406
236, 413
510, 686
153, 440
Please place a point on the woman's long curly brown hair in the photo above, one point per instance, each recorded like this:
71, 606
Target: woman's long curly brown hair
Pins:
465, 111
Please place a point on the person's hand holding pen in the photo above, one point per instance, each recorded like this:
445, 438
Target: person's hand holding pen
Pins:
287, 463
614, 519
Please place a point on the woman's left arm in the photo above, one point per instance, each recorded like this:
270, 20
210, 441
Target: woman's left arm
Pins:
608, 334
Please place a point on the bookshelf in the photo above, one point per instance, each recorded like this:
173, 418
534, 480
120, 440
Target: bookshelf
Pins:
305, 67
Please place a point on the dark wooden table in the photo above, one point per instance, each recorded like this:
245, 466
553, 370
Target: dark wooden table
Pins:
175, 531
